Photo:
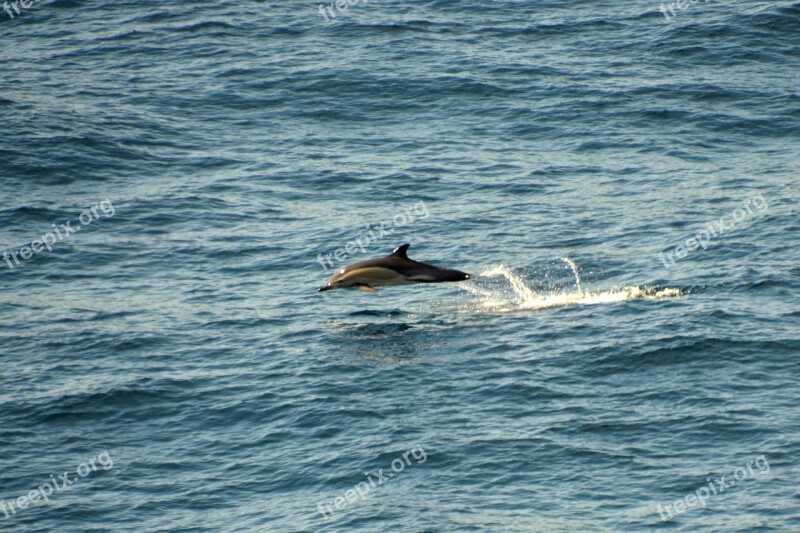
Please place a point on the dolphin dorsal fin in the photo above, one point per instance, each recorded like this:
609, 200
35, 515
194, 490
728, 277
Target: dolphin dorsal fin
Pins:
400, 251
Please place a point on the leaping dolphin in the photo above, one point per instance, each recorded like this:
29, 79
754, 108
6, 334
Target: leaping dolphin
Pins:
394, 269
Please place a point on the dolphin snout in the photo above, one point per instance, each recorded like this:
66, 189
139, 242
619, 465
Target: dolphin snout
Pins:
324, 288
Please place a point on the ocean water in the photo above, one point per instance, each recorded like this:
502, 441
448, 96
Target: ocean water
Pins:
603, 371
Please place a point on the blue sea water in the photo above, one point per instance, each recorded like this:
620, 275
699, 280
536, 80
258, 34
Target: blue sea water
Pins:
558, 151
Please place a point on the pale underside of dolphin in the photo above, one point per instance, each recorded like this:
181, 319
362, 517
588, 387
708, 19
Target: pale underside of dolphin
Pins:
394, 269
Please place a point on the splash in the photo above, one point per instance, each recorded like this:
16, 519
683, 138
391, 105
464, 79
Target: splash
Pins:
574, 268
524, 298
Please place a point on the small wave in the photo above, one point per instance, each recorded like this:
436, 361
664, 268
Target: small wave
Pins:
526, 299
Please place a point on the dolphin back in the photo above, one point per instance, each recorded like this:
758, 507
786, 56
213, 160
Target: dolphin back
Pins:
407, 270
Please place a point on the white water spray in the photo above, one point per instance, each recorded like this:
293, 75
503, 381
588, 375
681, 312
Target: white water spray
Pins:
574, 268
525, 298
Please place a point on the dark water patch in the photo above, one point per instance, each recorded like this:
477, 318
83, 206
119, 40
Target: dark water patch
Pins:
156, 16
211, 26
512, 188
367, 331
392, 313
399, 28
66, 4
239, 323
136, 400
784, 18
680, 351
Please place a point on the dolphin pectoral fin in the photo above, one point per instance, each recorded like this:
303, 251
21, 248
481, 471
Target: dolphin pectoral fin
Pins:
366, 288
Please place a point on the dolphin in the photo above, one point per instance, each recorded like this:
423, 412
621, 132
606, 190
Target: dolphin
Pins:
394, 269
